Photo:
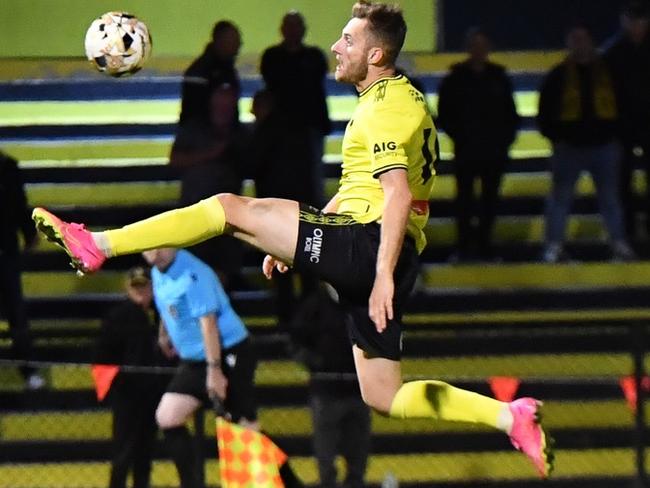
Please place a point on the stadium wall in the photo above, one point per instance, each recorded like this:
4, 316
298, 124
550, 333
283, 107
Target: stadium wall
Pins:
48, 28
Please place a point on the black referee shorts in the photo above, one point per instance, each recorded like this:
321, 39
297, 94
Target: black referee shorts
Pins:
238, 364
343, 252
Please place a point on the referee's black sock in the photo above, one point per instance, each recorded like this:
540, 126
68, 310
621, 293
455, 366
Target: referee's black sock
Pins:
289, 478
181, 448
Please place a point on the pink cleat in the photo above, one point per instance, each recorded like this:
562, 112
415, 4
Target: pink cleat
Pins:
528, 436
74, 239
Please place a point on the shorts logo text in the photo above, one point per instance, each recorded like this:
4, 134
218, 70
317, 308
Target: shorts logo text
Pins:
313, 245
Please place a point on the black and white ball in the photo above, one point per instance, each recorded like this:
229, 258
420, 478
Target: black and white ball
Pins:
118, 44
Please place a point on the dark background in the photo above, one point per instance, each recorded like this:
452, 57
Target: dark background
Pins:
525, 24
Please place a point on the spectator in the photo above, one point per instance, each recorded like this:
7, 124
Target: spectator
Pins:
578, 112
476, 109
295, 74
15, 218
341, 419
216, 357
207, 149
128, 337
215, 67
628, 55
212, 159
279, 153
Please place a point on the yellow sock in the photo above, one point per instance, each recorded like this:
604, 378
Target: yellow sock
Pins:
177, 228
441, 401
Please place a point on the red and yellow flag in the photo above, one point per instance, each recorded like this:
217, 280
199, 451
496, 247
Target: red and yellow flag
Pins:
247, 458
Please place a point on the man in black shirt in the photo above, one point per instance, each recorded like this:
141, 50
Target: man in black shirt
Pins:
476, 109
628, 55
15, 218
341, 419
215, 67
211, 158
294, 74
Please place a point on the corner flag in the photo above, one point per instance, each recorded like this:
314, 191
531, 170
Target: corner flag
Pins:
247, 458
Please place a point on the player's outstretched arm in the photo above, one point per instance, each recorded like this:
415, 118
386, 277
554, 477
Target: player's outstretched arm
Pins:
397, 204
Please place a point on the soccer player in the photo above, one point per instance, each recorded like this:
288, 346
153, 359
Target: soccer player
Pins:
365, 242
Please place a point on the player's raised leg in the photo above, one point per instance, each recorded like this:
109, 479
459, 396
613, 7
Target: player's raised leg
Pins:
268, 224
382, 389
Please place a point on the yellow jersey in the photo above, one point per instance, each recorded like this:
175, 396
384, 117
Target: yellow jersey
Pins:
390, 128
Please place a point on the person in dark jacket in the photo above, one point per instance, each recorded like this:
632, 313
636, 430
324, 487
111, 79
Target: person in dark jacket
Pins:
579, 113
129, 336
628, 56
476, 109
14, 219
216, 66
340, 417
294, 74
279, 155
212, 158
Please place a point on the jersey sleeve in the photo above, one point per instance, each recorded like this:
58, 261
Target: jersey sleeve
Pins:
388, 133
203, 294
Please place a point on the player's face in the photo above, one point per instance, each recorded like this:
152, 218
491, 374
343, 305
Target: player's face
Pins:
351, 52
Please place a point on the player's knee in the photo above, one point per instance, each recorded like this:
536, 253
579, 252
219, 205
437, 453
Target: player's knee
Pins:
237, 207
161, 418
165, 417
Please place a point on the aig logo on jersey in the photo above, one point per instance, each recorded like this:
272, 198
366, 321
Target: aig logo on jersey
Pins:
382, 150
384, 146
314, 244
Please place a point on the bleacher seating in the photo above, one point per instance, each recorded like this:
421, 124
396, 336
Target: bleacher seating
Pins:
566, 331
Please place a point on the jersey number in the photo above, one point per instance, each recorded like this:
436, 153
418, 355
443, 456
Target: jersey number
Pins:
427, 168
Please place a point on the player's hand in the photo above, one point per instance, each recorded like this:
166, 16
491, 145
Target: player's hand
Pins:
216, 383
380, 303
270, 263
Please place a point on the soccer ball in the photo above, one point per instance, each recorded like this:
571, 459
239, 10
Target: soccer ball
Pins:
118, 44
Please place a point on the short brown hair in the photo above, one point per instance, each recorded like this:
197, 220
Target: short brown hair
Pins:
386, 23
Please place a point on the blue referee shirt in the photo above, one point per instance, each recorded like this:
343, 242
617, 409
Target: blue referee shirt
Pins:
185, 292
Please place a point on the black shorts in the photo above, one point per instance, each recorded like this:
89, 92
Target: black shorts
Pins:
238, 364
343, 252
